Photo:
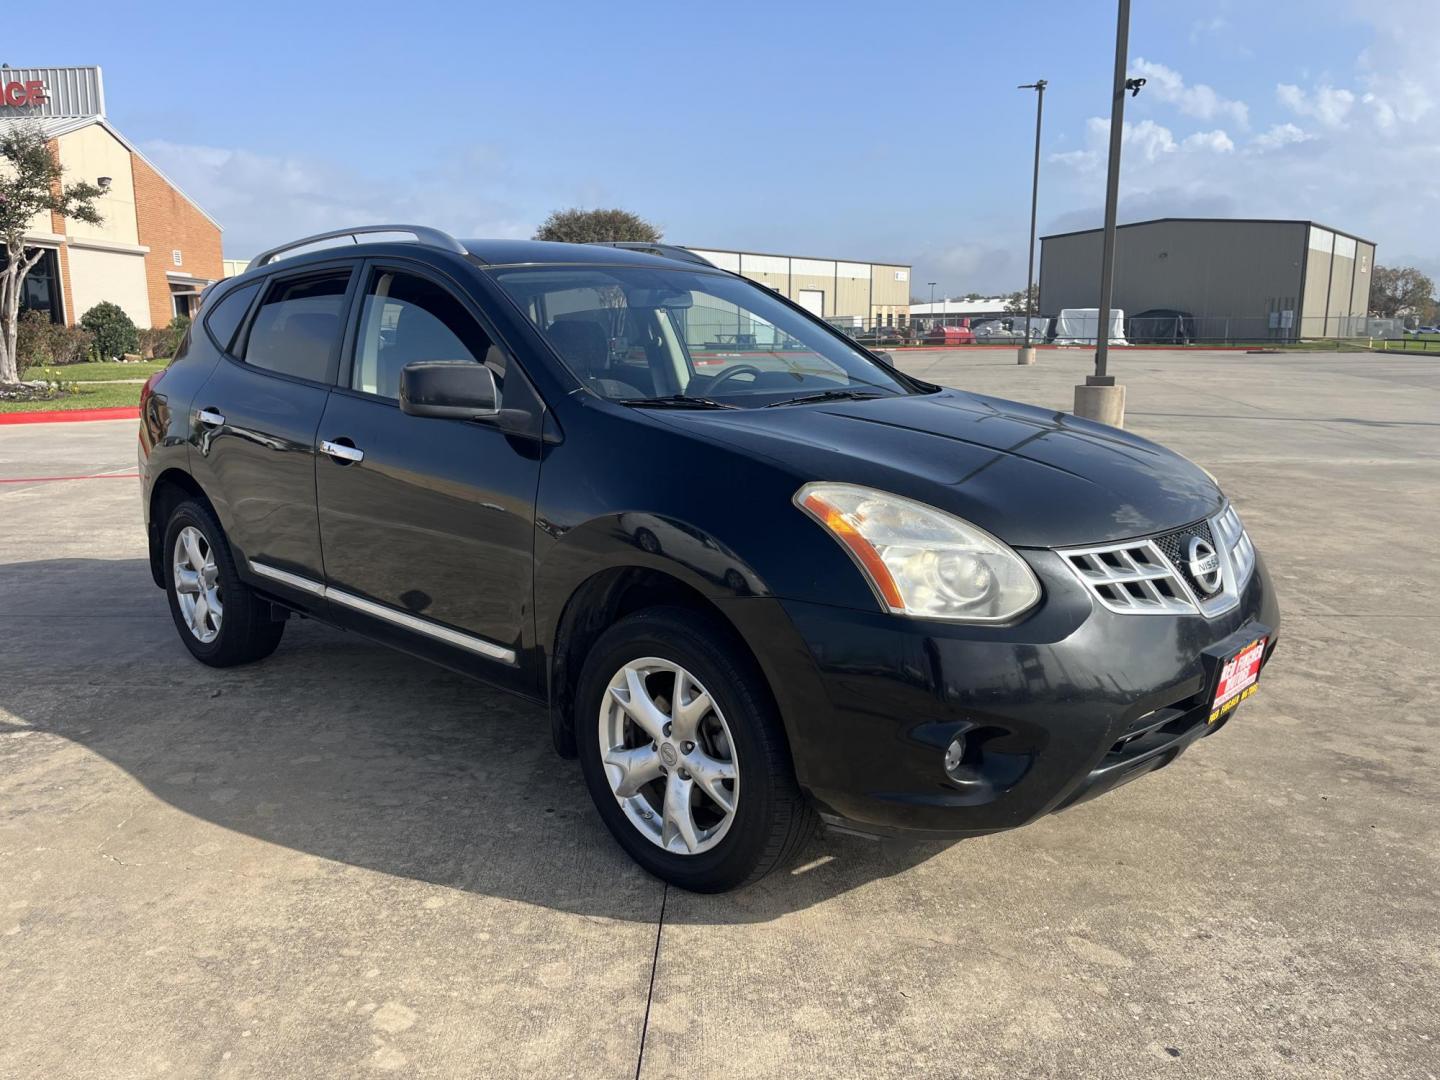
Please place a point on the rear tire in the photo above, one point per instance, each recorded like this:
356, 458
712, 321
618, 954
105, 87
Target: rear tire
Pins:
220, 619
712, 716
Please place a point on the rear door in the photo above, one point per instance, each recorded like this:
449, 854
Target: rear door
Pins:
256, 417
427, 524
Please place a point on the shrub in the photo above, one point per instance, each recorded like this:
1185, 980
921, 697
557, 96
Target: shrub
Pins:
115, 333
160, 343
32, 340
70, 344
41, 343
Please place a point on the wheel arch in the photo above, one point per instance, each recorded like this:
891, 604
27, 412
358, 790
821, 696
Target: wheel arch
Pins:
171, 487
596, 604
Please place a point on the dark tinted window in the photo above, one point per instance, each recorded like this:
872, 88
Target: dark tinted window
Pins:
224, 318
297, 326
408, 318
641, 332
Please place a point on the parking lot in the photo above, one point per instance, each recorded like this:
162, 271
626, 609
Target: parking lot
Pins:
344, 860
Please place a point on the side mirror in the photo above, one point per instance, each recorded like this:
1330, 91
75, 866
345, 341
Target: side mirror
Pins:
457, 389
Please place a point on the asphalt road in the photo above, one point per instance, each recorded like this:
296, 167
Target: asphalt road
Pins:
343, 860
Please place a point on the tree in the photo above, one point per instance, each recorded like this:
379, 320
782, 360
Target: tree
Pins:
1399, 291
30, 184
597, 226
1015, 302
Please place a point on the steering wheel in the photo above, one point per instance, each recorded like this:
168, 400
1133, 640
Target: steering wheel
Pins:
730, 373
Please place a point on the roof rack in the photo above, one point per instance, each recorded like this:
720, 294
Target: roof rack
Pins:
668, 251
423, 235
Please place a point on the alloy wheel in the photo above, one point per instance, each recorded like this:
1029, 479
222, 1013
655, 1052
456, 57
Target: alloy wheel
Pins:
669, 756
197, 584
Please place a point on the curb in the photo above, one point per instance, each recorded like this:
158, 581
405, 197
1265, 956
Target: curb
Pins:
63, 416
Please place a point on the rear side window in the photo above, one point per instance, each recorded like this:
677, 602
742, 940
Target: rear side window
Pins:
224, 318
297, 327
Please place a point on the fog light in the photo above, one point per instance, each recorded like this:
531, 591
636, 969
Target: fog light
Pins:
953, 755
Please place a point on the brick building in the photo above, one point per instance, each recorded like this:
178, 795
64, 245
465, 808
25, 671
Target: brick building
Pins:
155, 249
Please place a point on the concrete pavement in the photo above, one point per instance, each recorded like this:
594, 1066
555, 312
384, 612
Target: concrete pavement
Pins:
343, 860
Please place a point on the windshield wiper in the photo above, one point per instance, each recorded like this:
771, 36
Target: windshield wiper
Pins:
827, 395
675, 401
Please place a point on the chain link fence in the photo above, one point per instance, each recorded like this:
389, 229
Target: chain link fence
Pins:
1080, 328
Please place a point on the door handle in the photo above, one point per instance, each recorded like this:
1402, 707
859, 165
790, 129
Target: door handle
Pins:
340, 452
210, 417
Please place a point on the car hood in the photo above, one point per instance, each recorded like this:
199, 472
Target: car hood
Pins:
1032, 477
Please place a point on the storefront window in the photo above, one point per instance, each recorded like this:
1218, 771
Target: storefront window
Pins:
41, 291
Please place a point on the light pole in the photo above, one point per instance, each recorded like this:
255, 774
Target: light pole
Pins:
1099, 398
1027, 351
932, 302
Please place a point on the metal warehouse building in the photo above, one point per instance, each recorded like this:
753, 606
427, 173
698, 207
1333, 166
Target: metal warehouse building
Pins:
844, 292
1241, 279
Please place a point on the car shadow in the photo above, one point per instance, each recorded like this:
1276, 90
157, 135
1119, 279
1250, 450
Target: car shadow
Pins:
342, 749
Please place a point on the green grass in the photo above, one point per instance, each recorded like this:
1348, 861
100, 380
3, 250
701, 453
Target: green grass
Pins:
1411, 343
109, 369
87, 397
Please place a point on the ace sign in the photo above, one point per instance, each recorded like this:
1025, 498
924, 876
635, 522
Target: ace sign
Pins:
14, 95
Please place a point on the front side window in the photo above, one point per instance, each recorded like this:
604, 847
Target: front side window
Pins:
642, 335
297, 328
406, 318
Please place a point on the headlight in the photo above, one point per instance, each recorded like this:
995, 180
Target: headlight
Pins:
922, 561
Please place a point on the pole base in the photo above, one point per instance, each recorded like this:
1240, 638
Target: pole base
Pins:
1103, 403
1026, 355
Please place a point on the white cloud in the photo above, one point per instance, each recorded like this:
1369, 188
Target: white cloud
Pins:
1216, 141
1202, 28
1147, 139
1197, 99
1280, 135
262, 200
1330, 106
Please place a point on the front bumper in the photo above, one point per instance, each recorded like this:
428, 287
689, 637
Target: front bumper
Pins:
1069, 703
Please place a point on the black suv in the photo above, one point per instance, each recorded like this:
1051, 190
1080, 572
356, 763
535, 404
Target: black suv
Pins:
757, 574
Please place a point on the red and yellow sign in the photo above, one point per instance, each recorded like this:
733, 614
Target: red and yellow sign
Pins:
1238, 679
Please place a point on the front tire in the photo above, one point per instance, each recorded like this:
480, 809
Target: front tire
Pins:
220, 619
684, 754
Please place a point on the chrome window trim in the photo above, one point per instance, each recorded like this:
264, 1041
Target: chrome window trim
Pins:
430, 629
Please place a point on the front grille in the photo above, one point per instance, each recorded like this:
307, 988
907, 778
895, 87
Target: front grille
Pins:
1151, 575
1133, 578
1173, 544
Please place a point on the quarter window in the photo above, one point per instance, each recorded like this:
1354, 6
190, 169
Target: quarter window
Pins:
297, 326
407, 318
224, 318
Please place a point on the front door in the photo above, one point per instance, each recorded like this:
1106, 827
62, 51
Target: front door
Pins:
256, 418
426, 523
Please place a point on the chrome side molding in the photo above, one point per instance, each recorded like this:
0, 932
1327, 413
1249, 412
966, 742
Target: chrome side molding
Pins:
478, 645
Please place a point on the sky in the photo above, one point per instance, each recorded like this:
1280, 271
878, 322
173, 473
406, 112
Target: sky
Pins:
836, 129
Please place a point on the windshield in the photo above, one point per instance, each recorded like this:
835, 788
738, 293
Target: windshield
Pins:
675, 337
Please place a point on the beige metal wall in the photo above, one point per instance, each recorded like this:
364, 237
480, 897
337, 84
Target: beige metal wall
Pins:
1319, 245
1360, 286
890, 292
772, 271
852, 288
864, 290
1338, 271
